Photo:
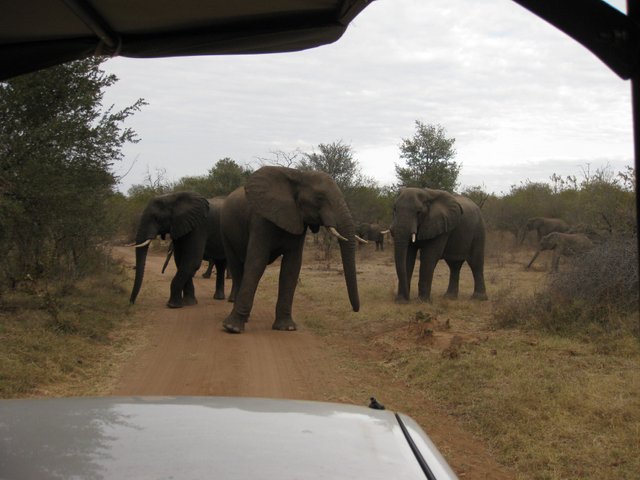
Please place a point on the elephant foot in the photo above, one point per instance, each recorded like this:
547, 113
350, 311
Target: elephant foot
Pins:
234, 323
401, 299
218, 296
479, 296
424, 298
284, 324
451, 296
188, 301
175, 304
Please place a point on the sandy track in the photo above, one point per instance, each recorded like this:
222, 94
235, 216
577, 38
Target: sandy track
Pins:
186, 352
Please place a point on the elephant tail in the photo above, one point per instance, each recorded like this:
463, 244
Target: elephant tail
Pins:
169, 254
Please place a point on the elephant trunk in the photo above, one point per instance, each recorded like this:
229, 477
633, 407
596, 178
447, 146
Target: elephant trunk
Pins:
400, 256
141, 259
346, 228
535, 255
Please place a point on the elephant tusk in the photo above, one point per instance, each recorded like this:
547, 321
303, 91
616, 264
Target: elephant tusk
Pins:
335, 233
361, 240
384, 232
143, 244
413, 238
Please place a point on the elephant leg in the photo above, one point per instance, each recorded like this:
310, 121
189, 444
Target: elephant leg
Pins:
189, 291
188, 262
177, 282
207, 273
254, 267
235, 268
288, 280
476, 262
220, 274
454, 278
428, 263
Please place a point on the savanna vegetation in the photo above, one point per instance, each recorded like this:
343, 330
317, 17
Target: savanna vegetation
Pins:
546, 372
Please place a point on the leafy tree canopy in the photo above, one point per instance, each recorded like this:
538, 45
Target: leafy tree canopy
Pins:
337, 160
221, 179
428, 157
57, 149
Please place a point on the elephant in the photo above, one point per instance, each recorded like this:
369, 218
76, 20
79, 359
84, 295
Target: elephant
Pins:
543, 226
372, 232
439, 225
214, 249
267, 219
562, 244
183, 215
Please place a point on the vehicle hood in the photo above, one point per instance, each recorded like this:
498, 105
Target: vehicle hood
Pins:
208, 437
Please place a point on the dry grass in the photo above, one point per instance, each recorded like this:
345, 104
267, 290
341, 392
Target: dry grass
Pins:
550, 406
60, 340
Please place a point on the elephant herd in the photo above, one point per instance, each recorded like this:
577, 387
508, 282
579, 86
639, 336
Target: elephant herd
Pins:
268, 219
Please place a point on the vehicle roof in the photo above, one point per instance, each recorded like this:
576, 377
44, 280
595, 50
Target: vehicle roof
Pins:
207, 437
36, 34
39, 33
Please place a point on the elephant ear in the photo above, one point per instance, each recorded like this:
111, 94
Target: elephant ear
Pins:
442, 215
271, 193
189, 211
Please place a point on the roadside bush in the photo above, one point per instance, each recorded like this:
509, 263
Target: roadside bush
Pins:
599, 291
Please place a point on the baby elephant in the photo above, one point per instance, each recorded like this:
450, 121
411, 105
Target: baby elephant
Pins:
567, 244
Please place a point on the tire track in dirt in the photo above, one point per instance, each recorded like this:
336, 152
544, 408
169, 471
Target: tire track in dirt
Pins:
187, 352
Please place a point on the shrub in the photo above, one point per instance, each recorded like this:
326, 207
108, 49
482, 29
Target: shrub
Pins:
598, 290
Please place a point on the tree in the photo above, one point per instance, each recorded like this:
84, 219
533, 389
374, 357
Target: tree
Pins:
221, 179
428, 156
227, 175
337, 160
57, 149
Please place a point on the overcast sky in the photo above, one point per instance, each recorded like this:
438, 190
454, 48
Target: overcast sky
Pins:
522, 100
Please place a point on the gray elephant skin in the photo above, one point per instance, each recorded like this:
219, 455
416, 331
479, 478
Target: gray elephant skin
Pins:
437, 225
213, 250
372, 232
562, 244
268, 218
543, 226
186, 217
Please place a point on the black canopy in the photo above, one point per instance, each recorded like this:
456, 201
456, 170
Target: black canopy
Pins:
40, 33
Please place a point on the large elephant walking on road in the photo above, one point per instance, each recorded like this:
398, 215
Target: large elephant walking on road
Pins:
182, 215
268, 218
213, 249
438, 225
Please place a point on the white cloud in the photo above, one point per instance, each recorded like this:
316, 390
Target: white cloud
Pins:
515, 93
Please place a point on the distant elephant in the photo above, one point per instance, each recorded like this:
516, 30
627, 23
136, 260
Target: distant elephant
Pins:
213, 250
562, 244
438, 225
268, 218
372, 232
543, 226
183, 215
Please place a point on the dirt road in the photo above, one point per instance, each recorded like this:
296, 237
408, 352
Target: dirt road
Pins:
186, 352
